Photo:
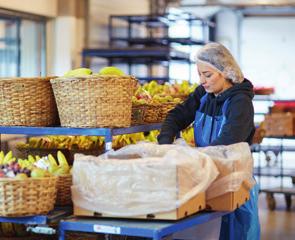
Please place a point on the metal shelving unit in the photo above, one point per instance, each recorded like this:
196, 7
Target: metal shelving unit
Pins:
278, 150
144, 228
133, 49
108, 133
278, 172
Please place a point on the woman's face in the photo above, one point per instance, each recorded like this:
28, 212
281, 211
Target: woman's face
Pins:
212, 80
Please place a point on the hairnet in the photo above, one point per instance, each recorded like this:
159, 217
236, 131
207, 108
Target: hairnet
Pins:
218, 57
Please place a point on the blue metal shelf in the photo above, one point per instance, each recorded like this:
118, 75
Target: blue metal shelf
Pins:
140, 228
53, 216
108, 133
77, 131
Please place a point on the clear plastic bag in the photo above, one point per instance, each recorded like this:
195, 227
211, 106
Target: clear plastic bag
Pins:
141, 179
235, 166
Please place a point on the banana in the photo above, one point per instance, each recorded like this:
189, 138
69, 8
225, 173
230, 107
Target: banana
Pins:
2, 157
7, 157
62, 161
52, 160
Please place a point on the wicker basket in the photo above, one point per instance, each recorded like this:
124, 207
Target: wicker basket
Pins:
63, 195
151, 114
27, 197
97, 101
27, 102
145, 113
164, 109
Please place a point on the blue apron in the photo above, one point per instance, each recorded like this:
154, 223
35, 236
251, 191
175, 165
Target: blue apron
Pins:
243, 223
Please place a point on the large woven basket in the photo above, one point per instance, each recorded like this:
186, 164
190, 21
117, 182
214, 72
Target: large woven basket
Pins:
27, 102
64, 196
97, 101
27, 197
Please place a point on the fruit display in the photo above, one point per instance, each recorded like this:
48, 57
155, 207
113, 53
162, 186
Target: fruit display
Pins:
64, 142
33, 166
94, 142
177, 89
154, 93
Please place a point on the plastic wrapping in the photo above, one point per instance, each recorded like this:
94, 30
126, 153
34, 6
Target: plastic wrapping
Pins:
235, 166
140, 179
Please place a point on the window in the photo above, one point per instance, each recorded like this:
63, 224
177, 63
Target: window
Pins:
22, 46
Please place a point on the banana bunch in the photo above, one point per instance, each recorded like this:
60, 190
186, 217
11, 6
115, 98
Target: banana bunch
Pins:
126, 139
152, 136
153, 87
63, 142
33, 166
29, 162
183, 88
6, 158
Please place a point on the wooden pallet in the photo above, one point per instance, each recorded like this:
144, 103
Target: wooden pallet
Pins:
229, 201
194, 205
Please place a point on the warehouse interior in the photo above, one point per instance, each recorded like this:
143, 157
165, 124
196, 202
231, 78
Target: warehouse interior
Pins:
158, 40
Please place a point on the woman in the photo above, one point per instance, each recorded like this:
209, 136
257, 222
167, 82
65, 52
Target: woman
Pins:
222, 111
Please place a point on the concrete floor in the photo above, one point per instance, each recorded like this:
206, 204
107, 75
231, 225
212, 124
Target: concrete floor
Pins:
277, 224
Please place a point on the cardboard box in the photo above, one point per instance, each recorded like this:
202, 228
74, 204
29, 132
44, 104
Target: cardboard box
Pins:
229, 201
194, 205
138, 186
280, 124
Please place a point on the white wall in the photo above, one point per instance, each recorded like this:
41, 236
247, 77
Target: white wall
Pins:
227, 31
267, 53
99, 11
40, 7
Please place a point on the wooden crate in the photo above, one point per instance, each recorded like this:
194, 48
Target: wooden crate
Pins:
194, 205
280, 124
229, 201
